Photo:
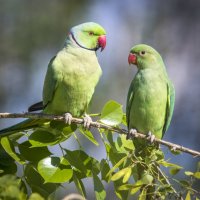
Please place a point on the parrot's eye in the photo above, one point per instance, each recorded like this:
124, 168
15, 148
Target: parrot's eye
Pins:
142, 53
91, 33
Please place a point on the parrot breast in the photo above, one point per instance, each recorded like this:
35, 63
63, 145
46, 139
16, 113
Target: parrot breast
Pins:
148, 109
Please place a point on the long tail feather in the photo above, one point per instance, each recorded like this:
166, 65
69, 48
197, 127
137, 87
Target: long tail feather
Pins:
24, 125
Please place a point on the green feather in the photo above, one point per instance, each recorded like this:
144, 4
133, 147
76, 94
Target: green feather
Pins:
150, 100
170, 105
150, 104
22, 126
71, 77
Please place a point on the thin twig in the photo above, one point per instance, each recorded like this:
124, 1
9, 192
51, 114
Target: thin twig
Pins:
99, 125
74, 196
167, 181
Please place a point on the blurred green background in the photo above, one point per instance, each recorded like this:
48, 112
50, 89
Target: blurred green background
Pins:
31, 32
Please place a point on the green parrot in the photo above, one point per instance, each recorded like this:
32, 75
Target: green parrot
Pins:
71, 77
149, 110
151, 96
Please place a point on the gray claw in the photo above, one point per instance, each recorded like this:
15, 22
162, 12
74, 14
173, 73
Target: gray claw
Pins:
87, 121
131, 134
68, 118
174, 148
151, 137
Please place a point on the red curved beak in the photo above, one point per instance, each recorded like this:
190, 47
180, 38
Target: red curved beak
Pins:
132, 59
102, 42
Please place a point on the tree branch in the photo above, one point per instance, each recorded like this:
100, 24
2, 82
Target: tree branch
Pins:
98, 125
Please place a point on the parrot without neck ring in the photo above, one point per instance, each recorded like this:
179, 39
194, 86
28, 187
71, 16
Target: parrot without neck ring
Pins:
151, 95
149, 110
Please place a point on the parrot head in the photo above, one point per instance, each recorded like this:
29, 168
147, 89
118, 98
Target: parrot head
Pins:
144, 56
89, 36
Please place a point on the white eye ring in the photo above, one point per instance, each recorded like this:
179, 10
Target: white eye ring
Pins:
142, 53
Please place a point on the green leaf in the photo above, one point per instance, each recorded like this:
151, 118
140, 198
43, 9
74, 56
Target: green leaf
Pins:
121, 194
33, 154
36, 182
55, 169
9, 148
62, 130
188, 196
197, 175
124, 120
107, 147
75, 159
121, 173
184, 183
118, 174
10, 188
42, 137
109, 136
104, 166
167, 164
111, 113
165, 188
116, 165
188, 173
136, 187
115, 156
79, 185
7, 163
23, 185
125, 187
63, 127
147, 178
159, 154
100, 192
82, 162
127, 175
58, 125
124, 145
16, 136
88, 134
198, 166
55, 133
143, 194
35, 196
174, 170
68, 130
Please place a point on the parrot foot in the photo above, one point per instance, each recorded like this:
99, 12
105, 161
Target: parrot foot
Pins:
131, 134
68, 118
151, 137
174, 148
87, 121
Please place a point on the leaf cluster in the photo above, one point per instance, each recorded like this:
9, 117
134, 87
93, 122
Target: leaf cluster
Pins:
133, 172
